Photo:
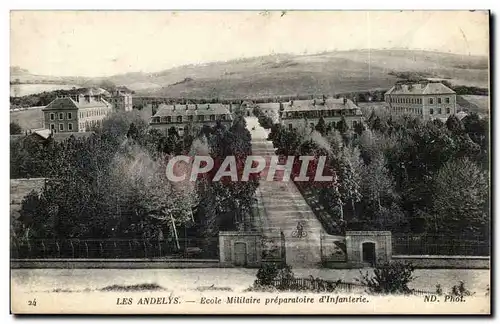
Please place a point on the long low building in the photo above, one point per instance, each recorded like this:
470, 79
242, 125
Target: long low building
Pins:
179, 116
295, 112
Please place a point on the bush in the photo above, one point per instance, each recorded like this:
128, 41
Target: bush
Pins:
15, 129
389, 278
460, 290
269, 272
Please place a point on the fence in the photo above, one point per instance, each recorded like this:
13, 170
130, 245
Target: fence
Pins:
115, 249
315, 284
321, 285
439, 245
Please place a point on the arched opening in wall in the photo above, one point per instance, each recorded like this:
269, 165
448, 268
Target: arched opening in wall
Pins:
368, 250
248, 114
240, 254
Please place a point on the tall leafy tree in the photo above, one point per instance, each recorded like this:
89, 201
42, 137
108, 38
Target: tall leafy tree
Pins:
460, 199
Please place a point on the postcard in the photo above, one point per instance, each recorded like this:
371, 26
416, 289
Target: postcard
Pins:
250, 162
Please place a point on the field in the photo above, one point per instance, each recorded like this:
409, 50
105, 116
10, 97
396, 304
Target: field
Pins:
286, 74
478, 104
28, 119
325, 73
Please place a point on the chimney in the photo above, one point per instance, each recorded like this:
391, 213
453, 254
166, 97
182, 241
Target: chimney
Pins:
345, 100
195, 106
208, 106
291, 102
174, 107
324, 99
314, 102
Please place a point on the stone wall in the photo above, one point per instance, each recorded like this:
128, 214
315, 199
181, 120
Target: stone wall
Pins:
240, 249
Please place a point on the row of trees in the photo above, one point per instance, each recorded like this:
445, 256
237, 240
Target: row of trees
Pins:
400, 173
114, 184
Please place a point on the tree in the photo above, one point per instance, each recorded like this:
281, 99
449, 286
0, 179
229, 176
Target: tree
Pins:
359, 128
378, 191
15, 129
460, 202
454, 124
321, 126
342, 126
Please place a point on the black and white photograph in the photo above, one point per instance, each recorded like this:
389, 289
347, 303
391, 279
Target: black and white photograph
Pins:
250, 162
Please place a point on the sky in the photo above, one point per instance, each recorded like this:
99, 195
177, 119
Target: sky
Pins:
103, 43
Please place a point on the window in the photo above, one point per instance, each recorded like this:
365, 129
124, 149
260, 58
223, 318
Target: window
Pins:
440, 111
52, 116
439, 100
201, 118
431, 101
448, 110
431, 111
70, 126
61, 127
179, 119
52, 126
70, 115
290, 126
61, 116
169, 119
447, 100
223, 117
212, 117
190, 118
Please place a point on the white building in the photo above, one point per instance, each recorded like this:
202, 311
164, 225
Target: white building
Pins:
428, 100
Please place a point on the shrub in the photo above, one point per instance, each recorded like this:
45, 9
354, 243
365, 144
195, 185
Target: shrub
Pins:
460, 290
389, 278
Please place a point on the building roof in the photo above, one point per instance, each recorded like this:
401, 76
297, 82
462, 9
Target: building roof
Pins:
269, 105
69, 103
421, 88
203, 109
328, 104
44, 134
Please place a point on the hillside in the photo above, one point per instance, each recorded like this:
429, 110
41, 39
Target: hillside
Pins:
283, 74
331, 72
19, 75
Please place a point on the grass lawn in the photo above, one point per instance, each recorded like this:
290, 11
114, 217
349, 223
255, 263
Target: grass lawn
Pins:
28, 119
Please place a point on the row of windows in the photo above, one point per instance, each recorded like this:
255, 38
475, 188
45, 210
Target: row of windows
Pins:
408, 110
439, 111
418, 100
190, 118
61, 127
334, 124
320, 113
93, 112
418, 111
61, 116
